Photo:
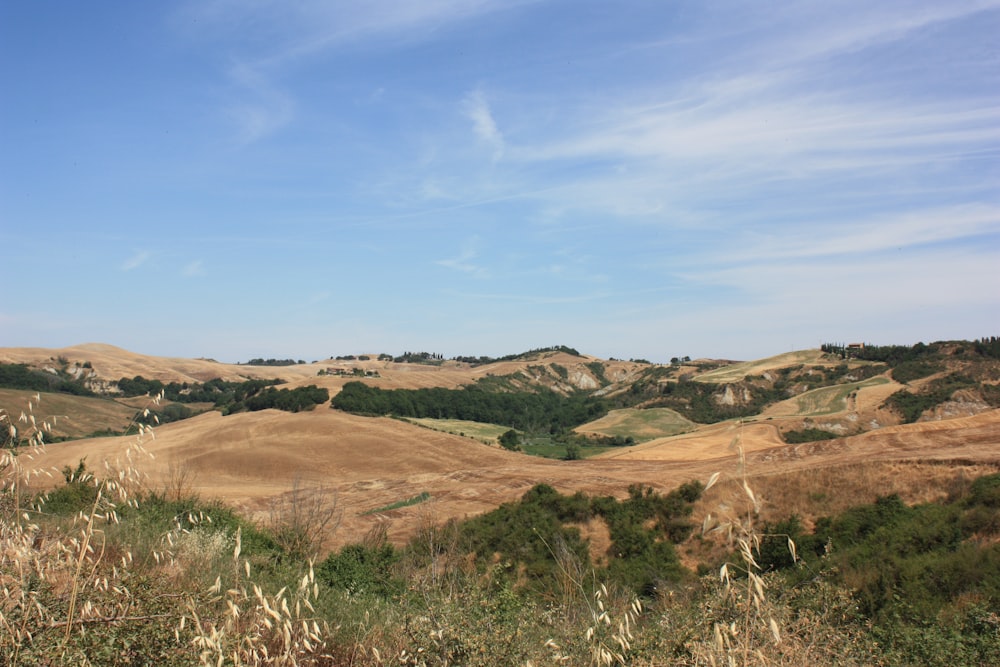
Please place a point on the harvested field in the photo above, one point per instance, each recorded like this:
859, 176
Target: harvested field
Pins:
370, 463
74, 416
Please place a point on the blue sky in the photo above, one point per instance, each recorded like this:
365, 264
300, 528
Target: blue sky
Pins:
243, 178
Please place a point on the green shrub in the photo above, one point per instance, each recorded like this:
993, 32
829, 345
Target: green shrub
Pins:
807, 435
362, 570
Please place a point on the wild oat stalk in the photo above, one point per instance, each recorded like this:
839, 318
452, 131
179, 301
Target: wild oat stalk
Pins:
32, 561
255, 628
743, 584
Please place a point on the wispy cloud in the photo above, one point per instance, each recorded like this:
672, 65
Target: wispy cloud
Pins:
465, 261
296, 30
261, 108
136, 260
873, 234
822, 31
477, 109
193, 269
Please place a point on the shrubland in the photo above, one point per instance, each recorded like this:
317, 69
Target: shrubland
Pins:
105, 570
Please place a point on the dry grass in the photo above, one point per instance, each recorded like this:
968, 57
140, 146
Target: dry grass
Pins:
247, 459
371, 463
829, 490
72, 416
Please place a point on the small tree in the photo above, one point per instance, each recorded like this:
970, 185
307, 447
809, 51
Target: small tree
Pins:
510, 440
572, 452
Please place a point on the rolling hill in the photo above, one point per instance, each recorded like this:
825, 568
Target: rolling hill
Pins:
370, 463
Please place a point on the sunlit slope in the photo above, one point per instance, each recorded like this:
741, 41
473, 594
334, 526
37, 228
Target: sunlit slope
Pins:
248, 459
714, 441
111, 363
824, 401
369, 463
738, 371
640, 424
68, 415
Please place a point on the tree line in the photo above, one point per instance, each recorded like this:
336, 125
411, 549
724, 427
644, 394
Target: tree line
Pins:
274, 362
229, 397
539, 411
22, 376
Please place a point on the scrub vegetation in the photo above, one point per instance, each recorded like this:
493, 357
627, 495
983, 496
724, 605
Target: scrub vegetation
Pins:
105, 568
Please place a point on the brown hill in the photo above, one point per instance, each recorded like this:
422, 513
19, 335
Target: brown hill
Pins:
371, 463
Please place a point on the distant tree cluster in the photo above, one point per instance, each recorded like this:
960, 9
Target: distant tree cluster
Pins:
807, 435
274, 362
475, 361
230, 397
988, 346
482, 360
597, 369
897, 354
22, 376
419, 358
289, 400
525, 411
216, 391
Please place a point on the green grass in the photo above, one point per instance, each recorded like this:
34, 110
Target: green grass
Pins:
415, 500
550, 448
468, 429
642, 425
829, 400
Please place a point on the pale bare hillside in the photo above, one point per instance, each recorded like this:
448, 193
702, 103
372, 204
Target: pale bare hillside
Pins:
513, 366
564, 372
111, 363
